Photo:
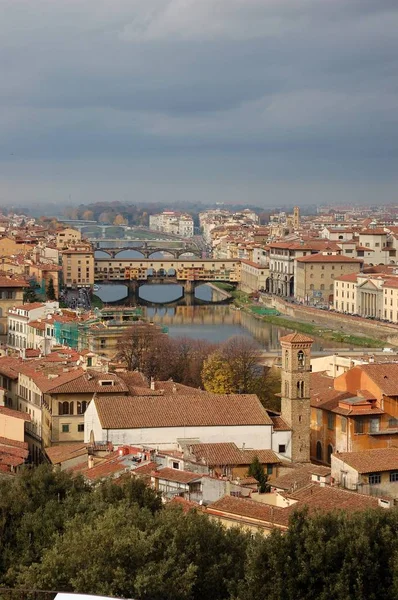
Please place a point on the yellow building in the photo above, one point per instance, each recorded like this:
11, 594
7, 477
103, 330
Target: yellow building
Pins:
67, 237
11, 293
78, 266
315, 275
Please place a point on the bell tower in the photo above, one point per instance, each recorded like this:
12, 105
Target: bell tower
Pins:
295, 393
296, 217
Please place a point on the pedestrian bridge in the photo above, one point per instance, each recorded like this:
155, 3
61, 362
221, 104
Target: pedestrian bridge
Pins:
182, 271
148, 249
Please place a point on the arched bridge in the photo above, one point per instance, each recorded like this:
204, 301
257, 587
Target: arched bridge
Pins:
147, 250
189, 273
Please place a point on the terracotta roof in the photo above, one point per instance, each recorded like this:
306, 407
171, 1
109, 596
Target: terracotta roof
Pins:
227, 453
133, 378
177, 410
16, 414
280, 424
9, 366
64, 452
373, 232
330, 498
253, 264
385, 376
186, 505
299, 477
89, 382
176, 475
391, 283
106, 468
349, 277
327, 258
145, 469
32, 353
28, 306
6, 282
7, 442
371, 461
296, 338
251, 510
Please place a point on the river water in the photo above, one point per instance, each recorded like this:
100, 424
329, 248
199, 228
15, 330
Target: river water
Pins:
215, 323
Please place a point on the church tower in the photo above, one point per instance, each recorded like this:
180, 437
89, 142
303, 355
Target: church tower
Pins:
296, 217
295, 392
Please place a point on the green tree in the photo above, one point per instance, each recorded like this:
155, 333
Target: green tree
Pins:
51, 290
217, 376
30, 295
256, 470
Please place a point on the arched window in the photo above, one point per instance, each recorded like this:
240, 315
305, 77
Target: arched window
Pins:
330, 452
319, 451
71, 408
81, 407
300, 389
286, 359
301, 358
311, 286
322, 286
64, 408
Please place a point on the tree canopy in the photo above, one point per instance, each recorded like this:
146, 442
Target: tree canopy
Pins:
58, 533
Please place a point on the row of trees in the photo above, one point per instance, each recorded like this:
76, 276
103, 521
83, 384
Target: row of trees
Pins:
57, 533
228, 368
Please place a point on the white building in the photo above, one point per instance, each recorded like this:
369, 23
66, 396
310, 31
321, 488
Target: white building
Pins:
19, 317
162, 421
172, 222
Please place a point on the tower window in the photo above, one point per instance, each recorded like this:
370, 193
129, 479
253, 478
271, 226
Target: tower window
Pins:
300, 389
286, 359
301, 359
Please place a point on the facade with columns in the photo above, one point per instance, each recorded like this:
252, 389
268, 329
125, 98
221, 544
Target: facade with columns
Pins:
367, 295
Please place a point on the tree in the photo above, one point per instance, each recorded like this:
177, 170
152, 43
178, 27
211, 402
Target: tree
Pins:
119, 220
30, 295
256, 470
217, 376
50, 290
241, 355
142, 348
88, 215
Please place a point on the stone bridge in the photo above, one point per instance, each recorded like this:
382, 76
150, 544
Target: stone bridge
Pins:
188, 273
147, 250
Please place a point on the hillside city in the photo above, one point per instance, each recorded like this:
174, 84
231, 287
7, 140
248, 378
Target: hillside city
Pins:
100, 392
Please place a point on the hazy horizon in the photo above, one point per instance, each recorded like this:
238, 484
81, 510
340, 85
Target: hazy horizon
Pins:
266, 102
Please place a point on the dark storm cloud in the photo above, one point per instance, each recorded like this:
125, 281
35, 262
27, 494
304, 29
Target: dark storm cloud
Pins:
308, 87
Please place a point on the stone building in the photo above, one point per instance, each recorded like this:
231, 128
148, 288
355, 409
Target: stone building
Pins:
315, 275
296, 406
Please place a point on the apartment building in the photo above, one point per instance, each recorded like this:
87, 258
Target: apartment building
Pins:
67, 237
173, 222
18, 321
282, 262
376, 240
355, 411
315, 275
78, 266
11, 293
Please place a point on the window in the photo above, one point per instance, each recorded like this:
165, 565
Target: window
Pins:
374, 425
65, 428
81, 407
343, 422
393, 422
300, 389
80, 427
394, 476
269, 470
374, 478
319, 417
282, 448
301, 359
358, 426
176, 465
330, 452
319, 451
330, 421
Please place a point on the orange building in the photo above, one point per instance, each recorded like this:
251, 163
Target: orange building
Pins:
356, 411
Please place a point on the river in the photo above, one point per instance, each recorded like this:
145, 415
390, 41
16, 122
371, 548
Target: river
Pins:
215, 323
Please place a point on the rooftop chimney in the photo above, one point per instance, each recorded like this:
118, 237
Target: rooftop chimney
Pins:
152, 384
90, 461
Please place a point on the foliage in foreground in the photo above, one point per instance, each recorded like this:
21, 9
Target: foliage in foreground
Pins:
58, 533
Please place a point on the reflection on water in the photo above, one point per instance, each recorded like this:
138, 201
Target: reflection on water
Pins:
214, 323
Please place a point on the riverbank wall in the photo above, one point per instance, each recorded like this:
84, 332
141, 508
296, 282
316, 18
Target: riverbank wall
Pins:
223, 294
336, 321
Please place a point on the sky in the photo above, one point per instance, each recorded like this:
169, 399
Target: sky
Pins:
265, 102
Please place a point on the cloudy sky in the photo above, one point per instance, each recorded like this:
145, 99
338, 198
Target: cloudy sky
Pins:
258, 101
